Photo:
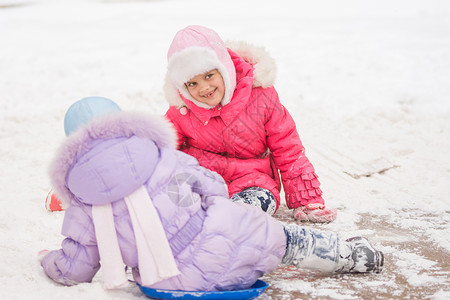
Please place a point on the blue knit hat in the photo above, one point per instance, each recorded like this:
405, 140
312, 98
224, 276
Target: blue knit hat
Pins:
86, 109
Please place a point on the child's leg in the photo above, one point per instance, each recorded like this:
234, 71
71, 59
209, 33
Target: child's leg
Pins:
258, 197
313, 249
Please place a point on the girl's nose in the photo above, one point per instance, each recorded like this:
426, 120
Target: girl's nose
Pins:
204, 86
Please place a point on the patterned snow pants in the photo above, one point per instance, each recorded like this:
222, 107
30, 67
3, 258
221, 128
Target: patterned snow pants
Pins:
313, 249
306, 248
258, 197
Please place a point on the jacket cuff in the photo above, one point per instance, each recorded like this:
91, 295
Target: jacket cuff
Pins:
303, 190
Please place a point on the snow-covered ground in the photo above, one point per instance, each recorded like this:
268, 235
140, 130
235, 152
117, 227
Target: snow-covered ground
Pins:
368, 83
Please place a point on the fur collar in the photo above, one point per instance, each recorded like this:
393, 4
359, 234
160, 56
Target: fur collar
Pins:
264, 73
123, 124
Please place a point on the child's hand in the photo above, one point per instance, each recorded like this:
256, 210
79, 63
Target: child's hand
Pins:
315, 213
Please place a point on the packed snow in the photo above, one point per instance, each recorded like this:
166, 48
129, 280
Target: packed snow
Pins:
367, 82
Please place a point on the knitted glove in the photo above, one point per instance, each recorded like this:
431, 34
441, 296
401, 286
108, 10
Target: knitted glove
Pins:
315, 213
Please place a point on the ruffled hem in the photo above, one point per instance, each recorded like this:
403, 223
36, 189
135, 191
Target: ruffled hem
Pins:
303, 190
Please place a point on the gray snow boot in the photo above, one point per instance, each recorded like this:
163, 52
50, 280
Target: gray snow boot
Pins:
308, 248
357, 255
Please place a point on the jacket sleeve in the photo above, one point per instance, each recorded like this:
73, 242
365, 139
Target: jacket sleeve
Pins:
300, 182
171, 115
78, 260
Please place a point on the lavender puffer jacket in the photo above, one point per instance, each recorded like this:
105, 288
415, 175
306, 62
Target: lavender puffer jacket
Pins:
217, 245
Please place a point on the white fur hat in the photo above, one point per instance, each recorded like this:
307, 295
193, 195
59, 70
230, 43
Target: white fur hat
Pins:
196, 50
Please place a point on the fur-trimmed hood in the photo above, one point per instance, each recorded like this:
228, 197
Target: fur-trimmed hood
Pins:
120, 125
264, 73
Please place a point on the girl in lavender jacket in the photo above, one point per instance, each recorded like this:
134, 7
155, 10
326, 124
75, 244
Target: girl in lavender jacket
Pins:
133, 200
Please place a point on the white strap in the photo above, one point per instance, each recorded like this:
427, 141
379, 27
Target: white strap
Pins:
156, 261
108, 247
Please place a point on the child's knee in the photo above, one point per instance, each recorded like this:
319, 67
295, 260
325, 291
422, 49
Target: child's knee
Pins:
258, 197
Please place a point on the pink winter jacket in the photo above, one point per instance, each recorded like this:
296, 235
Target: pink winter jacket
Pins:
251, 138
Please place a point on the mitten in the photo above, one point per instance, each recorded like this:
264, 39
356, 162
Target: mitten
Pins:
315, 212
52, 202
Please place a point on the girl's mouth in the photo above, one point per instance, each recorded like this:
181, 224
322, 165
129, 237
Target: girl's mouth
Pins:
210, 94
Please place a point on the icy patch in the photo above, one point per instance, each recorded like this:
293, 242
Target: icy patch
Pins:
377, 166
413, 266
325, 290
296, 285
441, 295
440, 237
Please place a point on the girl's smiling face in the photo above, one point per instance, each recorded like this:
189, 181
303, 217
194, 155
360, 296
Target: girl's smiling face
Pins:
207, 88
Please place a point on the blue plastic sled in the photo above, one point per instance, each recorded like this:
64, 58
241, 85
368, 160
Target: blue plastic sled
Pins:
250, 293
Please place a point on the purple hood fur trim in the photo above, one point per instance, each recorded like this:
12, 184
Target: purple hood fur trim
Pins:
124, 124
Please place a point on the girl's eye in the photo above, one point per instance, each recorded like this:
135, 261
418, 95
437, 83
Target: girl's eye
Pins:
191, 84
209, 76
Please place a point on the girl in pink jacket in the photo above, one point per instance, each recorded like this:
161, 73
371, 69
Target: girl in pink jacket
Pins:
228, 116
